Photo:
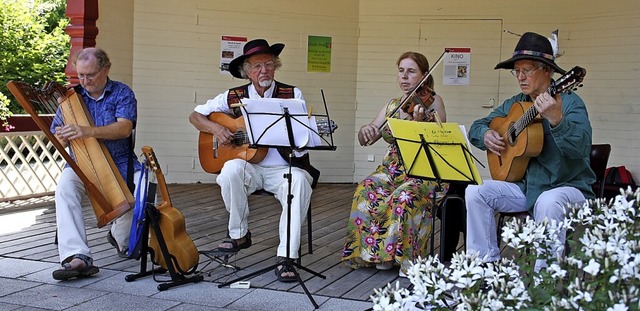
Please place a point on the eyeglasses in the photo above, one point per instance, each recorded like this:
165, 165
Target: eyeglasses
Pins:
89, 77
527, 72
270, 65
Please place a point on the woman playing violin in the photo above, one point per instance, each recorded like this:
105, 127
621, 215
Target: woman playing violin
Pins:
389, 221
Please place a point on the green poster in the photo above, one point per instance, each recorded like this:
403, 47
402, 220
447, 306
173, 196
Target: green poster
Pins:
319, 54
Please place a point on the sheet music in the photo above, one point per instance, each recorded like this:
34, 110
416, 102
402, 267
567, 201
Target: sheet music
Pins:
267, 126
463, 129
445, 143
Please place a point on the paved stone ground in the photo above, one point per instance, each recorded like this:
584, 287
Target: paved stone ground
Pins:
28, 285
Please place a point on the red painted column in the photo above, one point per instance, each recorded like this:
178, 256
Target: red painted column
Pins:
82, 29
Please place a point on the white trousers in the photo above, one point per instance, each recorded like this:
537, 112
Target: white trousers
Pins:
72, 234
492, 196
238, 179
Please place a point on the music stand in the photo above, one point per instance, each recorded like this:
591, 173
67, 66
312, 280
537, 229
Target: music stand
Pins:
437, 152
266, 121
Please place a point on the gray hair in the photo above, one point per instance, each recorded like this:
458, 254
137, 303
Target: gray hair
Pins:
547, 67
99, 54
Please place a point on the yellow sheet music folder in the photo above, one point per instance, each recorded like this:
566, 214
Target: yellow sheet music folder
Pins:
445, 150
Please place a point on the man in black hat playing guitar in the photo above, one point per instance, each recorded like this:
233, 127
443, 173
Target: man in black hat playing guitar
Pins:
239, 177
555, 173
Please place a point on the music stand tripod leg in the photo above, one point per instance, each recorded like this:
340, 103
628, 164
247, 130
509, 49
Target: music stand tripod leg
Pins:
434, 210
288, 263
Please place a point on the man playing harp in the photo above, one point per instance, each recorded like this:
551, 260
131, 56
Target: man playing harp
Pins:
113, 107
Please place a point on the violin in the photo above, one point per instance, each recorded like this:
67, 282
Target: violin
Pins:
421, 97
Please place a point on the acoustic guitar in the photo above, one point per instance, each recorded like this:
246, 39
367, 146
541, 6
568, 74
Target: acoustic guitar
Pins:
183, 252
522, 131
213, 155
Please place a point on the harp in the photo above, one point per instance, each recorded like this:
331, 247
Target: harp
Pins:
108, 193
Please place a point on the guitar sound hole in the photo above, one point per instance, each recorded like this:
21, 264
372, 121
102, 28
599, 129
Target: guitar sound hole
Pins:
512, 135
239, 138
512, 139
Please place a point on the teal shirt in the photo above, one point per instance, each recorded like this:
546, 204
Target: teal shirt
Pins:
564, 159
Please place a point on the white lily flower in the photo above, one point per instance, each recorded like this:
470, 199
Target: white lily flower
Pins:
592, 268
607, 250
618, 307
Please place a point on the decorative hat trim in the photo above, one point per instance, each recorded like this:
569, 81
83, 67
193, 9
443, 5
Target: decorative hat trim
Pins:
534, 53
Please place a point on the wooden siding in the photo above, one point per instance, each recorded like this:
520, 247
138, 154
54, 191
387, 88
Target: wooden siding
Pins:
175, 49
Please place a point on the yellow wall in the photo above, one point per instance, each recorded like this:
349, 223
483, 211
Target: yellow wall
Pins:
115, 36
173, 49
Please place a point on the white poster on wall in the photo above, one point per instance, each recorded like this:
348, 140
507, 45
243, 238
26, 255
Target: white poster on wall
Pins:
457, 66
230, 48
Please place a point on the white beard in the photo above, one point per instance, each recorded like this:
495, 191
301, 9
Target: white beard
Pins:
265, 83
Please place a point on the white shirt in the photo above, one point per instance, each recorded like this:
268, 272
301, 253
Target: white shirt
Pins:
219, 104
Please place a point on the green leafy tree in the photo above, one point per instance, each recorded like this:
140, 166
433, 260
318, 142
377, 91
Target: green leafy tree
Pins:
4, 113
33, 45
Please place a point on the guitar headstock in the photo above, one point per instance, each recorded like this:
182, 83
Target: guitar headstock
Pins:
154, 165
152, 160
325, 127
570, 81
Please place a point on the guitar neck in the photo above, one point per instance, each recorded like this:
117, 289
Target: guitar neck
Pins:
154, 165
164, 191
532, 112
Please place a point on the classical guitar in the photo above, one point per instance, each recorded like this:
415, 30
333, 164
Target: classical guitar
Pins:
213, 155
183, 252
522, 131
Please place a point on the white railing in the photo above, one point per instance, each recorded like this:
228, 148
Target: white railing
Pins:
29, 165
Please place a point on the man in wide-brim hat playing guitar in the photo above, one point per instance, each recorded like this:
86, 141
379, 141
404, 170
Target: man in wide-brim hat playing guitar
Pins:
558, 171
243, 175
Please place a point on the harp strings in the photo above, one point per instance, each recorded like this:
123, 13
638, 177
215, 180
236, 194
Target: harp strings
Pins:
47, 101
79, 146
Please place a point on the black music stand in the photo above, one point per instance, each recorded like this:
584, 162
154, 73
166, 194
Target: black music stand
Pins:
436, 152
284, 120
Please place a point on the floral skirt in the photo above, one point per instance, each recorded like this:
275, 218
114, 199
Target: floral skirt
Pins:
390, 220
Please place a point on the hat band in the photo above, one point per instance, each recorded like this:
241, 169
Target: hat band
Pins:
534, 53
255, 50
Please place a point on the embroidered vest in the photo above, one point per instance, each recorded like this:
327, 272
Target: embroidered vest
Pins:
284, 91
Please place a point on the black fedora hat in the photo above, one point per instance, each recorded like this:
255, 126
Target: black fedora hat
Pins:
253, 47
532, 46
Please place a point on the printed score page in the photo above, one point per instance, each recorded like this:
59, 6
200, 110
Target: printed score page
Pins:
444, 145
266, 124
